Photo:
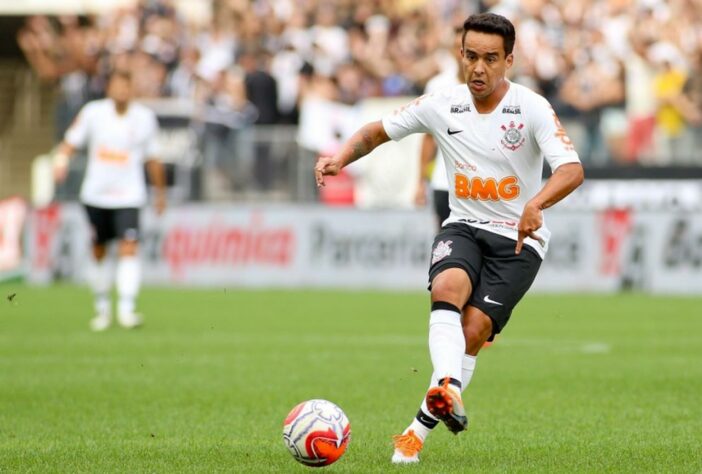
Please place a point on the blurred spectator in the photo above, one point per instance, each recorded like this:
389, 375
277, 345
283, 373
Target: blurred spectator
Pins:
262, 92
329, 40
593, 84
640, 101
691, 107
216, 47
261, 88
182, 81
224, 115
60, 52
285, 69
151, 80
668, 86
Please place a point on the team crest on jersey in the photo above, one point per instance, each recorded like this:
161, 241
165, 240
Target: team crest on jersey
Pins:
512, 109
460, 108
513, 138
441, 251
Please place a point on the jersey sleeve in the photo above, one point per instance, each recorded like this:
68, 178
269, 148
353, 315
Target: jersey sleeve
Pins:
152, 148
554, 142
77, 133
409, 119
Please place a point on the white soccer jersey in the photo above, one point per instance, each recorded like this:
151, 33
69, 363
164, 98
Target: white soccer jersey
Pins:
493, 161
439, 181
117, 148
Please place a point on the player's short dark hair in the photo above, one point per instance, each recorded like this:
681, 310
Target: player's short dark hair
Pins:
492, 24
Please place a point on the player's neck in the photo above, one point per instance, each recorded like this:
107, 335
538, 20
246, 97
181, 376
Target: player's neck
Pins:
489, 103
121, 107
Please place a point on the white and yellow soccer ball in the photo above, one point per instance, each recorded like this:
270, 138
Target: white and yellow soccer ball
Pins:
316, 432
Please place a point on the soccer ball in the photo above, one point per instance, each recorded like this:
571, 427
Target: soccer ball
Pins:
316, 432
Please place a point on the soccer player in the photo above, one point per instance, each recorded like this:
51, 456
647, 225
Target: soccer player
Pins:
120, 136
493, 135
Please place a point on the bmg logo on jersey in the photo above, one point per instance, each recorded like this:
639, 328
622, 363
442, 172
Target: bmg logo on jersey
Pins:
489, 189
107, 155
460, 108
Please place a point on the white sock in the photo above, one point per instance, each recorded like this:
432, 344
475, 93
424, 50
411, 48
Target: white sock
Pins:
446, 343
419, 429
467, 370
100, 280
128, 282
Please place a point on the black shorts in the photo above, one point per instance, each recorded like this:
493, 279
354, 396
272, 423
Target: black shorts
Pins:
441, 205
109, 224
499, 277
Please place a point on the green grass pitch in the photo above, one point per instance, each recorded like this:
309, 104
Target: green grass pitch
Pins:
574, 384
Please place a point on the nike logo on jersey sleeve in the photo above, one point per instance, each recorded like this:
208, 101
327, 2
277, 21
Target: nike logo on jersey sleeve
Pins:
453, 132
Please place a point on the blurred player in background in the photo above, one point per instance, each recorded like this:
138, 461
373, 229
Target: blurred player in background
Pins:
493, 135
429, 152
120, 137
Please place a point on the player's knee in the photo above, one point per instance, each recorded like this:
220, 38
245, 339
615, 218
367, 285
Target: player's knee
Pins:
477, 329
477, 334
99, 251
452, 285
128, 248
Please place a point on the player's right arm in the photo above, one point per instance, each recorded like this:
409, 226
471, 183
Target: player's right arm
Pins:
365, 140
61, 161
76, 137
407, 120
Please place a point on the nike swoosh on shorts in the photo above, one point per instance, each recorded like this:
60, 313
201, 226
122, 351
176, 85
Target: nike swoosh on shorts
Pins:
488, 300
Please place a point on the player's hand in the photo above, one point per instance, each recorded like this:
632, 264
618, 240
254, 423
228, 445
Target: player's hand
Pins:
326, 166
160, 203
60, 165
420, 197
532, 219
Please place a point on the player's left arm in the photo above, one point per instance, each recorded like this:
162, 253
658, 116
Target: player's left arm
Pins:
562, 182
155, 169
157, 177
567, 175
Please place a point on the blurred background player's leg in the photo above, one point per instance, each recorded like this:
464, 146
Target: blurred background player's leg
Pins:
100, 278
101, 283
128, 283
128, 267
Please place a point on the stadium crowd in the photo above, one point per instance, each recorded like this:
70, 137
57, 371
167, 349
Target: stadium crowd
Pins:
625, 76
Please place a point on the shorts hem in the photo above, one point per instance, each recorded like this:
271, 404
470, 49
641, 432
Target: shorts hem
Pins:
446, 266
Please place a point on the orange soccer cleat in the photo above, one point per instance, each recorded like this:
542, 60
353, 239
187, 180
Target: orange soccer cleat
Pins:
407, 448
446, 405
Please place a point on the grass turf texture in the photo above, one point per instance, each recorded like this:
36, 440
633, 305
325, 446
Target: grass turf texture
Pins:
575, 384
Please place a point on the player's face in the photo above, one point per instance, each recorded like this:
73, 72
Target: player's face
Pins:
484, 62
119, 90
